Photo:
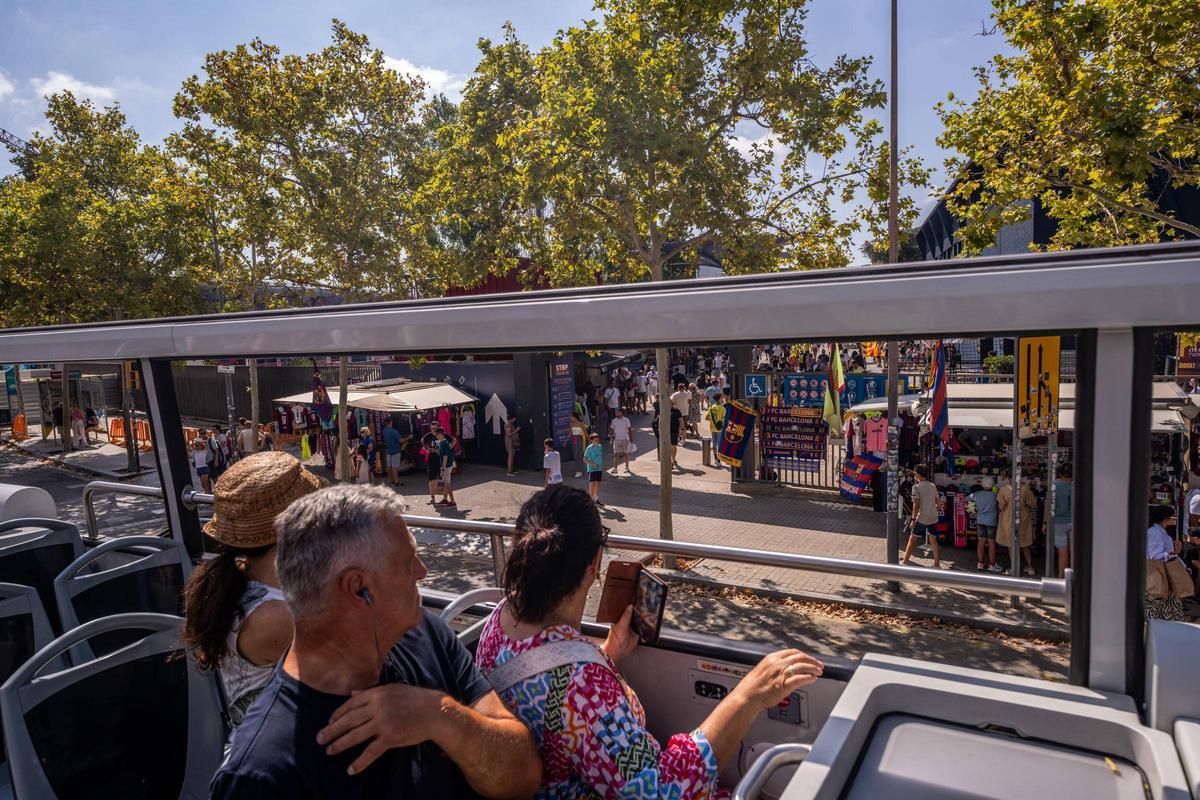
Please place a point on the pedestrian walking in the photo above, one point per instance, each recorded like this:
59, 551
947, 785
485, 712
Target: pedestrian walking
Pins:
716, 421
512, 442
693, 410
393, 450
593, 456
433, 466
622, 440
986, 520
200, 462
445, 453
368, 443
924, 517
551, 464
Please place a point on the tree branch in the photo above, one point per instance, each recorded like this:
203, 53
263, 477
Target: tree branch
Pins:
1145, 212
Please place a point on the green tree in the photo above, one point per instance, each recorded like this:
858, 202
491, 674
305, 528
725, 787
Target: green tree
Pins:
1097, 113
338, 133
619, 147
101, 226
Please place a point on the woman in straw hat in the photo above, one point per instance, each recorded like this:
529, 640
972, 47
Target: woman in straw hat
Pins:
237, 621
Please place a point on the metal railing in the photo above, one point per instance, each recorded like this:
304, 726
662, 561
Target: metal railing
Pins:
110, 487
1052, 591
781, 755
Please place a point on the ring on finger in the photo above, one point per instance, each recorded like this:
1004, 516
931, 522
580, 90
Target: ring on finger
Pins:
792, 670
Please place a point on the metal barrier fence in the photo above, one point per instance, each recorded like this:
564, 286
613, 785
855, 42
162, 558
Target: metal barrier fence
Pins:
1052, 591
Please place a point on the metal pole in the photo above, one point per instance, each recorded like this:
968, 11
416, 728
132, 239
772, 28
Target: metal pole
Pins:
893, 356
131, 452
1051, 490
1014, 553
229, 403
66, 410
341, 463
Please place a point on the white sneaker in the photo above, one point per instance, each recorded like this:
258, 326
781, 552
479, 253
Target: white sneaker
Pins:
995, 568
613, 471
979, 566
1029, 573
578, 474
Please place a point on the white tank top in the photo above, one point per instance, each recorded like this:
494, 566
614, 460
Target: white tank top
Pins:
242, 680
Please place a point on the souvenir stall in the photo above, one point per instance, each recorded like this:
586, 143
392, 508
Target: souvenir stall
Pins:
413, 407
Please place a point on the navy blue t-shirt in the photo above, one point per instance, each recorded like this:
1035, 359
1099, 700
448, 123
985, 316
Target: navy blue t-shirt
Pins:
274, 752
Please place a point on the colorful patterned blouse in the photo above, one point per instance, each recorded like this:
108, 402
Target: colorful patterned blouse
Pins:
591, 729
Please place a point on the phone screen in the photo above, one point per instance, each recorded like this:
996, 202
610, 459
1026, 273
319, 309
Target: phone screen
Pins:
648, 607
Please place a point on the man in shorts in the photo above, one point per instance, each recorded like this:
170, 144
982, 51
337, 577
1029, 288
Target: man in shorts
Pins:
986, 519
924, 517
393, 450
551, 464
640, 387
445, 454
593, 457
620, 430
433, 467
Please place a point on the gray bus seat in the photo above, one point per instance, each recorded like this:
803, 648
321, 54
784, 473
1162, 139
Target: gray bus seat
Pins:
1187, 742
33, 551
25, 501
24, 630
123, 576
1172, 653
139, 723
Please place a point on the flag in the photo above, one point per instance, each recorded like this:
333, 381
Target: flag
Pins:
320, 402
856, 475
939, 414
833, 398
736, 433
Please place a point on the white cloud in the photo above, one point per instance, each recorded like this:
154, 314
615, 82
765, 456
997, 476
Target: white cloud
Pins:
55, 82
6, 86
745, 145
438, 81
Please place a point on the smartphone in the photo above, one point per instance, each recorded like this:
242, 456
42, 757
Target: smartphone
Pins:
620, 590
648, 607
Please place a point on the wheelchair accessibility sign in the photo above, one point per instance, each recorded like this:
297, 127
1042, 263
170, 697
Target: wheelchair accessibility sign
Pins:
755, 386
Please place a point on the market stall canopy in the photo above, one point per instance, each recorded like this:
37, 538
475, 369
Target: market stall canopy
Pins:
399, 397
1162, 420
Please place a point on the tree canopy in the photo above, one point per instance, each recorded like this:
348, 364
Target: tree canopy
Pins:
1096, 115
637, 138
101, 226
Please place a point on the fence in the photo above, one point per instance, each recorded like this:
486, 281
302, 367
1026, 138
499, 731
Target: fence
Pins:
201, 389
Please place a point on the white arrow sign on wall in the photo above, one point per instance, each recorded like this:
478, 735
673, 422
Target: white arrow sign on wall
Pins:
496, 413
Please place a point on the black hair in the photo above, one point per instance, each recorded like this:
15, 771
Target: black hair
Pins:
1160, 514
1065, 471
922, 471
548, 442
558, 534
211, 601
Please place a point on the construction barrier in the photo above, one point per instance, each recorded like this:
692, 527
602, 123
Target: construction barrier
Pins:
116, 431
20, 430
141, 429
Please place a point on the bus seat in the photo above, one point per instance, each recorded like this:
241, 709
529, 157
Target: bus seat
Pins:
141, 722
488, 594
25, 501
24, 630
33, 551
126, 575
1172, 652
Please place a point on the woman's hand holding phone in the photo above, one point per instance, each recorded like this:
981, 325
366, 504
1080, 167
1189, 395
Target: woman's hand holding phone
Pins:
621, 640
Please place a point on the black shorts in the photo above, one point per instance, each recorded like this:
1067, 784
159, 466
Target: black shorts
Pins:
594, 477
433, 469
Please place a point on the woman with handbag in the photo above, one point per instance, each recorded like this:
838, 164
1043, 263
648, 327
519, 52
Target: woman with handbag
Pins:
1167, 581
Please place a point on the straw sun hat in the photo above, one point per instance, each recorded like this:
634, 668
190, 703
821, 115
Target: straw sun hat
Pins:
250, 494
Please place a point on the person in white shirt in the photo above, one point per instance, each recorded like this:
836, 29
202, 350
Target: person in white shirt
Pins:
247, 439
924, 517
1160, 546
612, 397
680, 400
551, 464
620, 429
718, 361
639, 383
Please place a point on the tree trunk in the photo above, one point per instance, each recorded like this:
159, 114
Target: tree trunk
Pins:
665, 531
342, 462
254, 404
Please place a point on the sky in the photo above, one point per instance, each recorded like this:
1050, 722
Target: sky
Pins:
138, 52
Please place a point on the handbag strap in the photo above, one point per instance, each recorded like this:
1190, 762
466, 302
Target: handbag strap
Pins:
544, 658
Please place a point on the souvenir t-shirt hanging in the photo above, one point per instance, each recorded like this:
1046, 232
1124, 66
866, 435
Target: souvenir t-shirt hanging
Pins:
283, 419
298, 416
875, 431
468, 423
443, 418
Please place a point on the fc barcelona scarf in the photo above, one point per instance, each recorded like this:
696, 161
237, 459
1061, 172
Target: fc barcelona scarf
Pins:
857, 475
736, 434
320, 402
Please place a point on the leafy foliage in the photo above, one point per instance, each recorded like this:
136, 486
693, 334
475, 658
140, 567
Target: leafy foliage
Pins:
1096, 115
103, 227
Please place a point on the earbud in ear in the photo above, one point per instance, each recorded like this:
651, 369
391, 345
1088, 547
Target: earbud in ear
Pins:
365, 594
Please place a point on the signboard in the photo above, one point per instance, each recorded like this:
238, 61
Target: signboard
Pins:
562, 399
807, 389
736, 434
225, 369
793, 432
1037, 386
754, 385
1189, 360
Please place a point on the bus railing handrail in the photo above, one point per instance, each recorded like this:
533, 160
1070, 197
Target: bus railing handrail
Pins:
1051, 591
109, 487
781, 755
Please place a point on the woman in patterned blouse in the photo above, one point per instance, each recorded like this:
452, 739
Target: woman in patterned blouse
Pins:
588, 723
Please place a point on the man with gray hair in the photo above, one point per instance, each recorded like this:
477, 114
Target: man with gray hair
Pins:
376, 697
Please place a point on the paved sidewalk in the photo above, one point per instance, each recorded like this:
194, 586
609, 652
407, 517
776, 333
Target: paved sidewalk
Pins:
708, 510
